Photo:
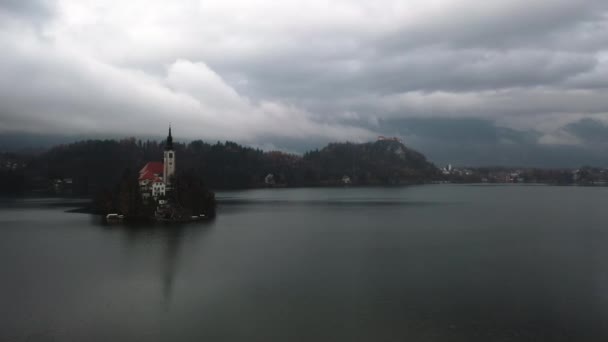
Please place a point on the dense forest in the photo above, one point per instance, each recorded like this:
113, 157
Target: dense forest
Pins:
88, 167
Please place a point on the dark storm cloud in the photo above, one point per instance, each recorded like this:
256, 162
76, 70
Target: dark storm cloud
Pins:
593, 133
459, 131
462, 141
476, 142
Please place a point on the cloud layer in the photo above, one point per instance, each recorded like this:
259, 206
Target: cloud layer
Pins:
291, 73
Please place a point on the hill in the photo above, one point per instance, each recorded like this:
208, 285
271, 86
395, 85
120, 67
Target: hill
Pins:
87, 167
380, 162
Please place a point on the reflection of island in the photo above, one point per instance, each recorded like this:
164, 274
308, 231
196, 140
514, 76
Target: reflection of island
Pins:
169, 263
145, 242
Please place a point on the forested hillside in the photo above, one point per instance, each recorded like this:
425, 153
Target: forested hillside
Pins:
92, 165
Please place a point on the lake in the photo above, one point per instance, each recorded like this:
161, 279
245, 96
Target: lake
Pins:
421, 263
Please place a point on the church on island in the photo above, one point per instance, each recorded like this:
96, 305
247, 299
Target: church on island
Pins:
160, 193
155, 177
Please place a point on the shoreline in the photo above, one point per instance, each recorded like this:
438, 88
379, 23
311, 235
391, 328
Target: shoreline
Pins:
84, 200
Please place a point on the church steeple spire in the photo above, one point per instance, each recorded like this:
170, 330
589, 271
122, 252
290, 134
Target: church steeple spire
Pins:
169, 145
169, 162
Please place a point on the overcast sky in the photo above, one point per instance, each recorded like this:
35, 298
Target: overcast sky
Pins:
479, 82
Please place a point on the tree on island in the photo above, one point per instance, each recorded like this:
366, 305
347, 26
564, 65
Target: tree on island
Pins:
95, 165
125, 198
189, 196
191, 193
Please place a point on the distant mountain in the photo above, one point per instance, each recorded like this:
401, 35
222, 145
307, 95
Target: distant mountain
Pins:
91, 166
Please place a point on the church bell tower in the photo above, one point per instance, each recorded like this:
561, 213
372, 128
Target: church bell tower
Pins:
169, 162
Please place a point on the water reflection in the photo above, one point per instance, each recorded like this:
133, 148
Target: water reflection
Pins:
165, 240
479, 264
169, 262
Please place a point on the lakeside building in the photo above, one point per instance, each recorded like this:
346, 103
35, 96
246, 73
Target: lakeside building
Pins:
151, 182
155, 177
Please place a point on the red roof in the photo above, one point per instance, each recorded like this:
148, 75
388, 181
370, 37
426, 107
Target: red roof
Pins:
152, 167
150, 176
147, 176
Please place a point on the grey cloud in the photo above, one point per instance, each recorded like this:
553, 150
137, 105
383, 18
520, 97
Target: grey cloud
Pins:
433, 70
493, 78
501, 25
477, 142
32, 9
458, 131
68, 92
592, 131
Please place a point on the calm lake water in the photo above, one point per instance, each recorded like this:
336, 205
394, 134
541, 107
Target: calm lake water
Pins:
424, 263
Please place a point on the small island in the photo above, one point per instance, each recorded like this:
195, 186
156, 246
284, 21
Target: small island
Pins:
158, 193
